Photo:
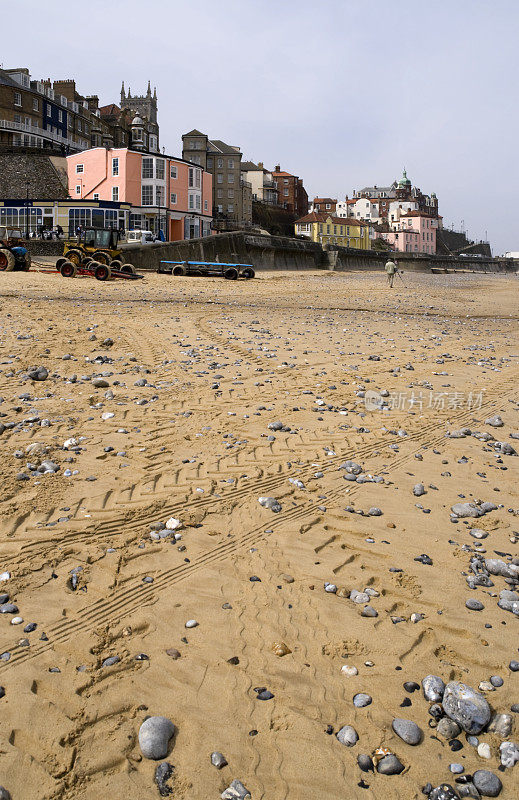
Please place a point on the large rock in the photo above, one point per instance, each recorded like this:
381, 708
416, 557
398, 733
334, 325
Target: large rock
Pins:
487, 783
408, 731
236, 791
466, 707
348, 736
433, 688
154, 736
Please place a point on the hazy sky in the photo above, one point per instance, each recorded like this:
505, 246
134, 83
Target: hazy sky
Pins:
341, 93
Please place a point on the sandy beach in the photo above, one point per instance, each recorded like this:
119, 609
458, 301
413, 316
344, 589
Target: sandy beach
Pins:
189, 400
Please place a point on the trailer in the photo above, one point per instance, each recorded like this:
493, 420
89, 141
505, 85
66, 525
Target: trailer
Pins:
213, 269
95, 269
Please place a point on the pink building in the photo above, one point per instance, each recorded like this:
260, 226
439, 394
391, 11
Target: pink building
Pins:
414, 232
166, 193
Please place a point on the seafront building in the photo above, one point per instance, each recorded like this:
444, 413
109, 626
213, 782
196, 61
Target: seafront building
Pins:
414, 232
326, 228
292, 195
166, 193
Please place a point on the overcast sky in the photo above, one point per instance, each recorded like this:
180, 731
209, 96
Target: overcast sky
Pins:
342, 93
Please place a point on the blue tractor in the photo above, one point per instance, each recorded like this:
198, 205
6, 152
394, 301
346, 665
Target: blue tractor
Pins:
13, 253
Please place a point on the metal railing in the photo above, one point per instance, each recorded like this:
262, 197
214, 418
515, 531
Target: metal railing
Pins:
35, 130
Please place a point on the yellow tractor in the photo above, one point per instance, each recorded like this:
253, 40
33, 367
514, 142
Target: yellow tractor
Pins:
100, 244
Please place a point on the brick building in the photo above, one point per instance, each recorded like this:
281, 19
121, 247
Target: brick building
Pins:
291, 192
53, 116
324, 204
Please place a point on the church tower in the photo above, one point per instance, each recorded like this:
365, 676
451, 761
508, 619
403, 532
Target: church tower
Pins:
145, 107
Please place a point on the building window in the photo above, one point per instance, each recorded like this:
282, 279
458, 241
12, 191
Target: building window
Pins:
159, 198
79, 127
196, 159
147, 193
173, 199
230, 194
115, 194
78, 188
230, 177
79, 168
173, 172
285, 181
159, 169
60, 116
220, 209
205, 205
219, 194
35, 105
115, 166
198, 202
219, 163
209, 163
328, 206
219, 177
191, 201
147, 168
198, 173
230, 163
285, 192
96, 195
191, 177
17, 98
230, 208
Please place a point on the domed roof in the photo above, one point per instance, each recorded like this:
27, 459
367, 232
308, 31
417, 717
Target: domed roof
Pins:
137, 120
404, 180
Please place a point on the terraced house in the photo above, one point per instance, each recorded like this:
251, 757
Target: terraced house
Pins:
325, 228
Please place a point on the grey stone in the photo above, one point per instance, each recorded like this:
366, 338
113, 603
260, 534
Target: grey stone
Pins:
154, 736
487, 783
270, 503
369, 611
513, 665
408, 731
509, 753
501, 724
496, 680
443, 792
466, 510
468, 790
218, 760
38, 374
419, 489
390, 765
100, 383
4, 794
375, 512
495, 421
365, 762
109, 662
362, 700
163, 773
448, 728
236, 791
466, 707
348, 736
8, 608
433, 688
474, 605
456, 769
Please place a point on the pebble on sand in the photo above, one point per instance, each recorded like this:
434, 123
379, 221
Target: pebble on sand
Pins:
154, 736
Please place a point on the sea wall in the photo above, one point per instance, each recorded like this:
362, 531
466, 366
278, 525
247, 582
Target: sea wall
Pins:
346, 258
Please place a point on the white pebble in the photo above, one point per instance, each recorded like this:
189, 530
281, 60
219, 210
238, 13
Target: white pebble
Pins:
484, 750
16, 621
349, 670
191, 623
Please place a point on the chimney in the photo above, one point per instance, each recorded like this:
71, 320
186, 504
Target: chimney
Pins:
278, 168
260, 164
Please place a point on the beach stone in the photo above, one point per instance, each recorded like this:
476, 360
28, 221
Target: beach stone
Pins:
418, 489
466, 510
487, 783
163, 773
411, 686
448, 728
374, 512
433, 688
496, 680
236, 791
474, 605
271, 503
513, 665
509, 753
477, 533
362, 700
495, 421
38, 374
468, 790
348, 736
369, 611
443, 792
173, 653
109, 662
501, 724
408, 731
456, 769
8, 608
390, 765
349, 670
191, 623
484, 750
466, 707
154, 736
365, 762
218, 760
4, 794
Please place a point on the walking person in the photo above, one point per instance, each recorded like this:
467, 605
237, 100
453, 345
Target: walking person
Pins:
390, 270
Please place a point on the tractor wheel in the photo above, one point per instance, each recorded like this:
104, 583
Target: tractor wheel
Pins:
68, 269
60, 262
87, 261
248, 273
101, 256
116, 263
179, 270
129, 269
27, 264
75, 255
102, 272
231, 274
7, 260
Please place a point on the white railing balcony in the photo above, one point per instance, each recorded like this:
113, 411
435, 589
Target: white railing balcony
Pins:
35, 130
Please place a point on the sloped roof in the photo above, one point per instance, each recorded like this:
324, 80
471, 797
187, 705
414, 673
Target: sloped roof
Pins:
194, 132
221, 147
250, 166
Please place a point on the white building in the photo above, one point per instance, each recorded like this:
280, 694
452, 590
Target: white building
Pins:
362, 208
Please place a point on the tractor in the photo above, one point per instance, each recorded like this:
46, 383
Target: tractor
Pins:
13, 253
101, 244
